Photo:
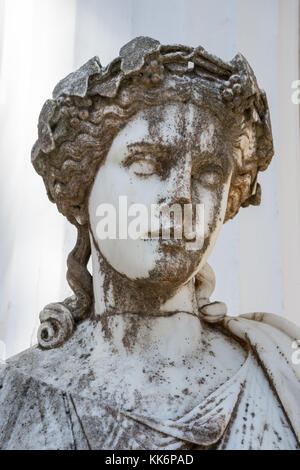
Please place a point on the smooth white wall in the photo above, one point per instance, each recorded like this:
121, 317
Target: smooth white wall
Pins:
288, 157
42, 41
37, 50
260, 258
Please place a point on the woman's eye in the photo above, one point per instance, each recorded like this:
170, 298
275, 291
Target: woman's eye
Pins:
143, 168
209, 177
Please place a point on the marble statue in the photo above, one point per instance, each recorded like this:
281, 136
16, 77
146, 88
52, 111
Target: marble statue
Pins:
138, 357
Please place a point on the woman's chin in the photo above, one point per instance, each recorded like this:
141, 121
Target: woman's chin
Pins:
173, 271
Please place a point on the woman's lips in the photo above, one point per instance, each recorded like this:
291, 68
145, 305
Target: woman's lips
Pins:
170, 235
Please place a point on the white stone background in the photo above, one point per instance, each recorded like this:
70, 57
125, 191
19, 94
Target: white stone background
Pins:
257, 257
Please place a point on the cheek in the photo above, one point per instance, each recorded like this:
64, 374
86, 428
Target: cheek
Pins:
114, 181
215, 202
134, 258
211, 204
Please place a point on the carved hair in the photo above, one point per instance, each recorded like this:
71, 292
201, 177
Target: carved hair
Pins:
91, 105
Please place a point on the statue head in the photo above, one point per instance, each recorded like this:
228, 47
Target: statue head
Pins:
159, 125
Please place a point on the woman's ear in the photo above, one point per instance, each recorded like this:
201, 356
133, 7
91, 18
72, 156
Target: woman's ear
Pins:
205, 282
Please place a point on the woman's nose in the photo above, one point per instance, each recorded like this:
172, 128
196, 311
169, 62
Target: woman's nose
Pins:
180, 188
181, 199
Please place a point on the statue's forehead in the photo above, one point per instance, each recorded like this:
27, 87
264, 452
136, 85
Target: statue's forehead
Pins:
174, 123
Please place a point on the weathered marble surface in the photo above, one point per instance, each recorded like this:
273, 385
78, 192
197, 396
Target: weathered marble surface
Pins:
45, 404
139, 357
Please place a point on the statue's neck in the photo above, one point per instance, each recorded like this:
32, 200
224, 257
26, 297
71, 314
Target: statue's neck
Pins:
134, 316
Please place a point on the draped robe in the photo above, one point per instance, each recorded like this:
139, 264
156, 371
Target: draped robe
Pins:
257, 408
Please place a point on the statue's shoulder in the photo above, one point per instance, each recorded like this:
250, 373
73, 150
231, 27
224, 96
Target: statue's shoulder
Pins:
40, 409
58, 367
38, 412
25, 406
275, 342
274, 339
37, 415
268, 322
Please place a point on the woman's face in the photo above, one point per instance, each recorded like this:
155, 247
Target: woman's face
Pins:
165, 155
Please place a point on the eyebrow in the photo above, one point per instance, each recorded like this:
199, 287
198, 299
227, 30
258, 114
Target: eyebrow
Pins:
156, 146
214, 158
146, 147
163, 151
